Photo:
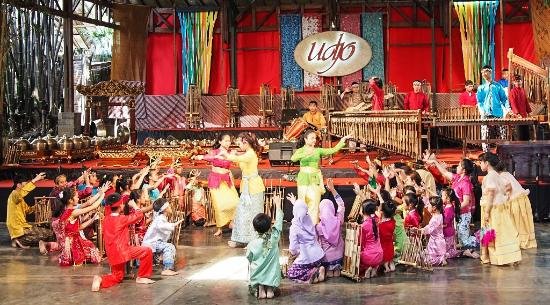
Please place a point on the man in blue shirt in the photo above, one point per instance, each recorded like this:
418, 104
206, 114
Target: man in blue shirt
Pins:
504, 78
492, 103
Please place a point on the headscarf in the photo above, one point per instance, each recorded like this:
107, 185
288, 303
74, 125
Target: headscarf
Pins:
330, 223
302, 224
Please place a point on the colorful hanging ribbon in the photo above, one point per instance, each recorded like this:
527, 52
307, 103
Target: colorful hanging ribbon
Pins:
197, 31
477, 32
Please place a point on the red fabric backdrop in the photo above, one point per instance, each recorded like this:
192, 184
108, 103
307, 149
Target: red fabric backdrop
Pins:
258, 58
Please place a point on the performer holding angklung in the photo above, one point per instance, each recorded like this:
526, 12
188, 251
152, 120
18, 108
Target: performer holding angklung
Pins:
220, 183
310, 178
252, 190
492, 103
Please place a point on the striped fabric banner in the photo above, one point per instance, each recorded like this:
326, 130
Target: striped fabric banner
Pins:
312, 24
351, 23
291, 34
373, 33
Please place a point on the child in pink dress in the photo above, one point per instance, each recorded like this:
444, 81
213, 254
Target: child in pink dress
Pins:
436, 249
371, 250
450, 213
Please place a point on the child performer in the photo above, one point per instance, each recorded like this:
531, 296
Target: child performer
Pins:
329, 232
386, 227
415, 207
77, 250
307, 267
116, 236
310, 179
436, 248
198, 198
451, 203
263, 253
399, 234
158, 234
468, 98
371, 250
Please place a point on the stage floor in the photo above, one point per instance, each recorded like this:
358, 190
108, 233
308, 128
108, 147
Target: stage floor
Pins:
212, 273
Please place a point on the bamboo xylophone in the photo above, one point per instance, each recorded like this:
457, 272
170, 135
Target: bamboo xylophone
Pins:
414, 252
399, 131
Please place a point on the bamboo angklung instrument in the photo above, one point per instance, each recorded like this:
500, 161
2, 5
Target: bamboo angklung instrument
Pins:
352, 251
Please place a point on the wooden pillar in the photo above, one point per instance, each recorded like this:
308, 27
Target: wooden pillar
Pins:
87, 113
434, 61
132, 125
233, 50
68, 76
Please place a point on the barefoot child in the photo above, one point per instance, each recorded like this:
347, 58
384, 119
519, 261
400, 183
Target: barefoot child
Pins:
329, 232
387, 228
304, 244
117, 246
263, 254
436, 248
158, 234
371, 250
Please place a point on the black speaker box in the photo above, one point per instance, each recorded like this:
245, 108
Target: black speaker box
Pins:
280, 153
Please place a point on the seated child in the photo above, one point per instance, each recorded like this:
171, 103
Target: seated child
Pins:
198, 199
436, 249
329, 232
387, 229
415, 207
307, 267
263, 254
399, 234
452, 205
159, 232
371, 250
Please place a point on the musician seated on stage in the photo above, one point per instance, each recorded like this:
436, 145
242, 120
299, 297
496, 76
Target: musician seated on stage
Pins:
468, 97
416, 99
354, 99
520, 106
315, 116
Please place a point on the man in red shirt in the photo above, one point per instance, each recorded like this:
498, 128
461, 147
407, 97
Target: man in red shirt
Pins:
416, 99
117, 245
378, 96
468, 98
520, 106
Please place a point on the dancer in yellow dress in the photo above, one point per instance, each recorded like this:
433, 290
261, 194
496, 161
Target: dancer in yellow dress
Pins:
310, 178
252, 190
496, 215
220, 182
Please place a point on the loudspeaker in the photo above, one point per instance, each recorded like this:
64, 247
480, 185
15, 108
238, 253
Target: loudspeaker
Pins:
280, 153
289, 115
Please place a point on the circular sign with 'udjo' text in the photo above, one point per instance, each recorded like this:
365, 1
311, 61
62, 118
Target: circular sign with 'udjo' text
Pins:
333, 53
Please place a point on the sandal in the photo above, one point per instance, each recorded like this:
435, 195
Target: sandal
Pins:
315, 277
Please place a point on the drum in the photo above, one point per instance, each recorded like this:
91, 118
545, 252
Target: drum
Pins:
294, 131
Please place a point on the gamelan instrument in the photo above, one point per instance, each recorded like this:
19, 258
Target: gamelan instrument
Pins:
295, 130
399, 131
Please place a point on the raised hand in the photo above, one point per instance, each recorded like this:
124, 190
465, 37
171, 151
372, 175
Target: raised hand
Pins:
277, 201
349, 136
105, 187
291, 197
330, 185
39, 177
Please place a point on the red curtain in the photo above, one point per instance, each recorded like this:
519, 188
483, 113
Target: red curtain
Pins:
258, 59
